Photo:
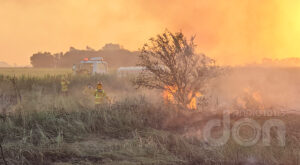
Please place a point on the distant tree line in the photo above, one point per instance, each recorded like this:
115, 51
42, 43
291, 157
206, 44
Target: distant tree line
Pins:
114, 54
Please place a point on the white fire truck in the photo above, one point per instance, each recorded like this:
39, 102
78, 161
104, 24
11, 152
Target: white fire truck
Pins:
91, 66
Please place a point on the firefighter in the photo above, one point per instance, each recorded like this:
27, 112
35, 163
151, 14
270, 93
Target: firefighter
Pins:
100, 95
64, 85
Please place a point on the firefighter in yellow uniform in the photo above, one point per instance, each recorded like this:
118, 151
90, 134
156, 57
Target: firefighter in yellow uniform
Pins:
100, 95
64, 86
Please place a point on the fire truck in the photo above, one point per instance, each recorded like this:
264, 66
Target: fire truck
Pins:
91, 66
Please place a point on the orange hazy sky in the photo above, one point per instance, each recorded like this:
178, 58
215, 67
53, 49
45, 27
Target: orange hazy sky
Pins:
231, 31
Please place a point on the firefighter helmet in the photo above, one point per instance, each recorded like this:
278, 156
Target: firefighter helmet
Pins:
99, 85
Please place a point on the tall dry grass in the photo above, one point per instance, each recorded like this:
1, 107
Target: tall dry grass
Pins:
45, 127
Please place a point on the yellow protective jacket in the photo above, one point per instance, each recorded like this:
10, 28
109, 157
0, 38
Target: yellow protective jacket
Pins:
64, 85
100, 96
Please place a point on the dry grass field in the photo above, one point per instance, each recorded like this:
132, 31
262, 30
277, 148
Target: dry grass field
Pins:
41, 126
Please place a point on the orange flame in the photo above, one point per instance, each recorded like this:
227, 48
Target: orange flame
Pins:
169, 92
250, 99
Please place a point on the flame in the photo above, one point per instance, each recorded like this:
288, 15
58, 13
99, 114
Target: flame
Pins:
170, 91
168, 94
250, 99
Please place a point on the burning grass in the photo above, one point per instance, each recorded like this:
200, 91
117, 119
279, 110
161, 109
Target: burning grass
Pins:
169, 97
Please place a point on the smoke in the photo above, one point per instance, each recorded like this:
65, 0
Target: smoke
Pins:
233, 32
273, 87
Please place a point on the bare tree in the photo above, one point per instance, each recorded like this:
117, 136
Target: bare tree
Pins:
171, 64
